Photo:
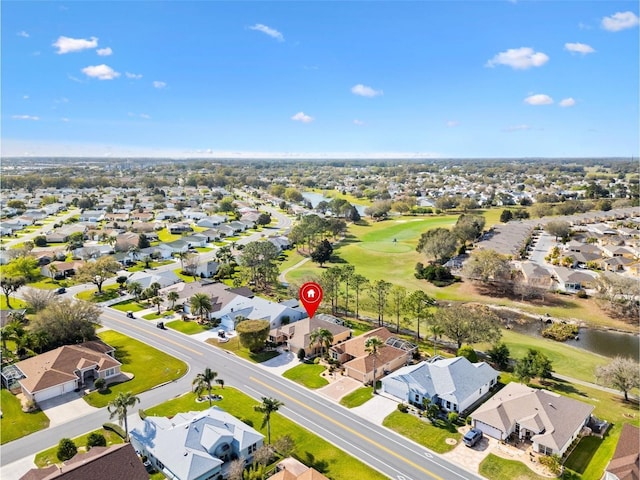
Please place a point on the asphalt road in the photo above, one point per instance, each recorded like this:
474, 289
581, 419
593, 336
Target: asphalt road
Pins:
380, 448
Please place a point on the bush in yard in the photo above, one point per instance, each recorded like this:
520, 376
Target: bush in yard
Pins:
316, 360
301, 354
552, 462
453, 417
402, 407
66, 449
253, 334
96, 439
117, 429
469, 353
100, 383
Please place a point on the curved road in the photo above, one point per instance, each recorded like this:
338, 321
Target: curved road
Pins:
382, 449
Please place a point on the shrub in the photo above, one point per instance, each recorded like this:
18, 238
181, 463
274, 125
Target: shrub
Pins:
316, 360
301, 354
403, 408
560, 331
581, 293
468, 420
453, 417
96, 439
468, 352
100, 383
552, 462
117, 429
66, 449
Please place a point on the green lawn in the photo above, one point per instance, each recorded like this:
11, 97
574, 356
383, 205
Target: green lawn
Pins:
48, 457
567, 360
16, 303
15, 423
164, 236
422, 431
203, 249
46, 283
357, 397
130, 305
581, 457
307, 374
109, 292
233, 345
184, 278
310, 449
498, 468
189, 328
149, 366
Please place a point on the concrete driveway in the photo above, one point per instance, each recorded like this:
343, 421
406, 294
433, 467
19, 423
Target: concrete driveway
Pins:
65, 408
376, 409
280, 364
471, 457
339, 388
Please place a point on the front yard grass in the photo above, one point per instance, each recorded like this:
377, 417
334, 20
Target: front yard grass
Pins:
233, 345
189, 328
109, 292
149, 366
423, 432
307, 374
498, 468
309, 448
15, 423
130, 305
183, 277
357, 397
16, 303
48, 457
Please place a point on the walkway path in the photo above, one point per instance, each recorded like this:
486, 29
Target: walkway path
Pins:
594, 385
282, 278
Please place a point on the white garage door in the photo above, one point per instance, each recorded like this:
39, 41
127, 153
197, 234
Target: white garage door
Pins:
49, 393
488, 430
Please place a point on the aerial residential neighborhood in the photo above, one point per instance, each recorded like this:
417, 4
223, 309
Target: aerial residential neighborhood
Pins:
320, 240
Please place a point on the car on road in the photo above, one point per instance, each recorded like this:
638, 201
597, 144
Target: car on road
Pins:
61, 290
472, 437
130, 314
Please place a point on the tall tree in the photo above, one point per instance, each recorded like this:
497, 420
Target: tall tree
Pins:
558, 228
201, 305
469, 324
203, 382
322, 337
372, 346
485, 265
322, 253
67, 322
359, 283
397, 297
468, 227
346, 275
621, 373
259, 258
173, 297
533, 364
379, 291
330, 281
119, 407
11, 285
267, 407
417, 304
438, 244
99, 271
135, 289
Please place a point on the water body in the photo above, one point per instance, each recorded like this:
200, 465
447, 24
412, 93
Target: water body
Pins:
602, 342
315, 198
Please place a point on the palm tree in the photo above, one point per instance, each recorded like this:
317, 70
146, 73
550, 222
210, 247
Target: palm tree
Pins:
157, 301
119, 406
372, 345
267, 407
135, 289
436, 330
173, 297
322, 336
155, 286
203, 382
200, 304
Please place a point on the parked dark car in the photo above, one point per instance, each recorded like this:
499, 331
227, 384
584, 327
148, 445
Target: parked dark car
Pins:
161, 326
472, 437
130, 314
61, 290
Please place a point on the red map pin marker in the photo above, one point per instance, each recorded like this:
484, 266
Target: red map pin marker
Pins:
310, 297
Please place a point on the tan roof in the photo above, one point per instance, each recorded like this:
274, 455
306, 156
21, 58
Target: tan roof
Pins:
625, 463
99, 463
58, 366
298, 332
356, 346
292, 469
386, 354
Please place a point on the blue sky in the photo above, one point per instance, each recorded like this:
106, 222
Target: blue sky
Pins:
360, 78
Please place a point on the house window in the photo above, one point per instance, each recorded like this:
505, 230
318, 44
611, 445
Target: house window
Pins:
493, 381
416, 398
160, 464
110, 372
448, 405
252, 448
480, 391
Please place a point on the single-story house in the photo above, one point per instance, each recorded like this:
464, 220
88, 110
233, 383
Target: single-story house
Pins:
281, 242
625, 463
163, 278
256, 308
66, 368
454, 384
536, 275
358, 363
207, 269
296, 335
60, 270
292, 469
211, 221
177, 228
195, 445
92, 216
99, 463
572, 281
550, 421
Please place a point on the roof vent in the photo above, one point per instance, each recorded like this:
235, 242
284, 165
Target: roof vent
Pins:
185, 454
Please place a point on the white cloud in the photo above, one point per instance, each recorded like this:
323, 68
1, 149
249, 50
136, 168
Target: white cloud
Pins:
101, 72
272, 32
620, 21
68, 45
539, 99
25, 97
145, 116
567, 102
104, 52
584, 26
452, 123
519, 58
158, 84
365, 91
23, 34
517, 128
64, 119
25, 117
135, 76
582, 48
302, 117
358, 122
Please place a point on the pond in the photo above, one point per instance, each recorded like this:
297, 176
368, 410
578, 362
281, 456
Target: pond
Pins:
603, 342
315, 198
